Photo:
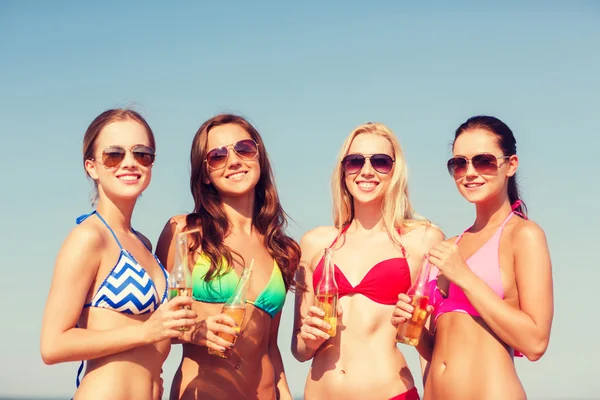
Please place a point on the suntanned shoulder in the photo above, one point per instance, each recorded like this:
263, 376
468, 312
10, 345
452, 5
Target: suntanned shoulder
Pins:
86, 241
178, 221
527, 231
89, 234
315, 240
318, 236
426, 236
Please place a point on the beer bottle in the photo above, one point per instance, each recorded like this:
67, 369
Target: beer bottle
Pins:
235, 307
409, 332
326, 292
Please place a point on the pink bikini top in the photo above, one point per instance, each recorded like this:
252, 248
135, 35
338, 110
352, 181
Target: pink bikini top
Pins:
484, 263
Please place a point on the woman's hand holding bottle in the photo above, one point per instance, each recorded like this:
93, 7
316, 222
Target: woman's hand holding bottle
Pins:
169, 319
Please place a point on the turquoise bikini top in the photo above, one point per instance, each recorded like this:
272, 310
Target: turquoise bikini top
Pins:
220, 289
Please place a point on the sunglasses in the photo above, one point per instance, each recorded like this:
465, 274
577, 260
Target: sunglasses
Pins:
114, 155
484, 164
381, 163
246, 149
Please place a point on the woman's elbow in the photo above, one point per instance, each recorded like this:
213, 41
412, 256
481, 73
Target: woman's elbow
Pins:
49, 356
299, 355
536, 349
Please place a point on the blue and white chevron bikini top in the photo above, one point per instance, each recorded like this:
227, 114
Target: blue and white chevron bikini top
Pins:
128, 288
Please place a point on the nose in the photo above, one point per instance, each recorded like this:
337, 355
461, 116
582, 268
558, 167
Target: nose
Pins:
471, 171
367, 169
233, 160
128, 161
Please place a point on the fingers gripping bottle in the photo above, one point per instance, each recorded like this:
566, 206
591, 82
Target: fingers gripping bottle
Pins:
409, 332
326, 292
235, 307
180, 278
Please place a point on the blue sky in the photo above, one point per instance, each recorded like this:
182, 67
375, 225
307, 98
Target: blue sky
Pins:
305, 73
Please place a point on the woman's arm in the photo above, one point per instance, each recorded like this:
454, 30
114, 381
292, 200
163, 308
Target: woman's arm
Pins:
283, 390
527, 328
309, 330
75, 270
204, 332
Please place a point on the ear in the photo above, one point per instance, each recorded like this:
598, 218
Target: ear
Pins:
513, 163
90, 168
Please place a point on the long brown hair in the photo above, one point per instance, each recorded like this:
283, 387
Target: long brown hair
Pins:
99, 123
268, 217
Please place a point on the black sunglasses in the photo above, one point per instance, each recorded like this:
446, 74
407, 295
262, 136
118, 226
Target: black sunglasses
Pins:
484, 164
114, 155
381, 163
246, 149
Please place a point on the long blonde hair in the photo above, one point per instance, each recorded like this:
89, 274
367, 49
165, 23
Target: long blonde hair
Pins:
396, 209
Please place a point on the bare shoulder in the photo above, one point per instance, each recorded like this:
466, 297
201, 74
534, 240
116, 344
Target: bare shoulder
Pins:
526, 232
90, 234
316, 240
423, 237
178, 222
83, 246
319, 236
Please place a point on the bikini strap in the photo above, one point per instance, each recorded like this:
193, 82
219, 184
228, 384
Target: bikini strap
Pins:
461, 235
344, 229
516, 205
401, 245
139, 236
83, 217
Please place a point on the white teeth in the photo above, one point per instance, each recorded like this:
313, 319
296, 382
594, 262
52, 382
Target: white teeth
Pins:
367, 185
473, 185
236, 175
129, 177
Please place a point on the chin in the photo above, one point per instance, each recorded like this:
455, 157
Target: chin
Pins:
367, 199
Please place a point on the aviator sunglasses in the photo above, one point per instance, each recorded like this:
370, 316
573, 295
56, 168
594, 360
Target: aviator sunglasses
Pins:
484, 164
114, 155
381, 163
246, 149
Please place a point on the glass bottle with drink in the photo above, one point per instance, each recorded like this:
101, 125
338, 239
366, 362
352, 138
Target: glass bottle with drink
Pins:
409, 332
235, 307
180, 278
326, 292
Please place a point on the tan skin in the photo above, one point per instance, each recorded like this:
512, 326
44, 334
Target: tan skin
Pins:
124, 352
362, 360
254, 369
472, 357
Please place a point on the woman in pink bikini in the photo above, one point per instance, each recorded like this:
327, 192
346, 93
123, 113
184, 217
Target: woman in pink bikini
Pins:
492, 288
379, 242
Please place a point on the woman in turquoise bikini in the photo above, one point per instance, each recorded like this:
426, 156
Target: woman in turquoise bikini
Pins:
238, 218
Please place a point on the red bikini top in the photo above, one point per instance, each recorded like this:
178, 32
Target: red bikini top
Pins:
382, 284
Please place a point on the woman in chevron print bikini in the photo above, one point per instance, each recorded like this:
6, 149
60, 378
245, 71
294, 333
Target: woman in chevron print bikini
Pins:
106, 298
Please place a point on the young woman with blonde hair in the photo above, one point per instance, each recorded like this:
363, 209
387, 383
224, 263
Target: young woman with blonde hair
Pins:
379, 241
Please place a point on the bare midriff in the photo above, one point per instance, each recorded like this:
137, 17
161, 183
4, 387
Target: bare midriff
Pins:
247, 373
362, 361
132, 374
470, 362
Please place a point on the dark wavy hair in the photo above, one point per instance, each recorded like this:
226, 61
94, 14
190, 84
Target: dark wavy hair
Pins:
212, 223
507, 143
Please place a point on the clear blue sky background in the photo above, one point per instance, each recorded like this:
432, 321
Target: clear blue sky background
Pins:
305, 73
